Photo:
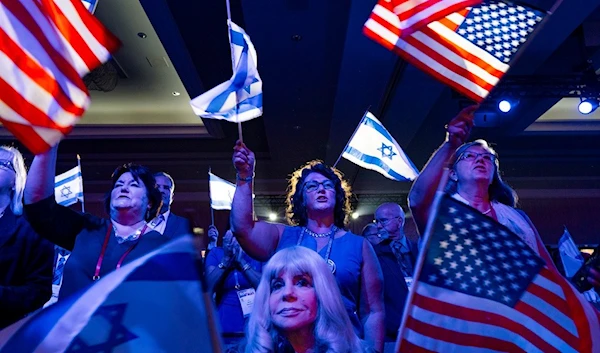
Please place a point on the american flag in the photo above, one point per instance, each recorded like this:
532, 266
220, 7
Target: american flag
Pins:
481, 288
45, 48
413, 14
468, 50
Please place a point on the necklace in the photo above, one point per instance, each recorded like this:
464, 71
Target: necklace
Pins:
123, 238
331, 235
320, 235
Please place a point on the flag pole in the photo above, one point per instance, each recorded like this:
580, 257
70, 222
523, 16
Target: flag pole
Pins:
351, 137
239, 124
433, 211
81, 184
212, 212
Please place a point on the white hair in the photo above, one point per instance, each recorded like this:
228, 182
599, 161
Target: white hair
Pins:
333, 330
16, 202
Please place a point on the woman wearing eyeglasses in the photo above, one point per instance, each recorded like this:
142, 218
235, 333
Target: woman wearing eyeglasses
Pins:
318, 206
474, 178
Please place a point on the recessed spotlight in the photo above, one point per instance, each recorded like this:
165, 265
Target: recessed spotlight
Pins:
175, 94
587, 106
355, 215
142, 35
504, 106
272, 216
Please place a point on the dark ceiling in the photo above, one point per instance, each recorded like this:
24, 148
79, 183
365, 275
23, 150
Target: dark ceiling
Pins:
321, 73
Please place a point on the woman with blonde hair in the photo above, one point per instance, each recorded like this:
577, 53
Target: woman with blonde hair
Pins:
298, 308
25, 258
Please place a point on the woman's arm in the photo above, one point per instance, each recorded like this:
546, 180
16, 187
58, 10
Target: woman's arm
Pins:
56, 223
215, 274
373, 315
258, 239
423, 190
249, 272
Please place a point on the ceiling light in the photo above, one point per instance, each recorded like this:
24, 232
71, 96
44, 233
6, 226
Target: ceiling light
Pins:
355, 215
504, 106
175, 94
272, 216
587, 105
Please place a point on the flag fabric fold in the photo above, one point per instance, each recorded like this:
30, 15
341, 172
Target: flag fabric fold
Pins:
240, 98
221, 192
153, 304
373, 147
414, 14
68, 187
481, 288
45, 48
569, 254
469, 50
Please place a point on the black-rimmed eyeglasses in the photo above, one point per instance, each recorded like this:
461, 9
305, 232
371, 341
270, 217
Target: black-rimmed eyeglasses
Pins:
313, 185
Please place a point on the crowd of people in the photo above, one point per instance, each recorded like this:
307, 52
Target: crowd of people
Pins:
307, 286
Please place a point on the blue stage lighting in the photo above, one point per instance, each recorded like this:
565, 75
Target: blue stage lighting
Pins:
587, 105
504, 106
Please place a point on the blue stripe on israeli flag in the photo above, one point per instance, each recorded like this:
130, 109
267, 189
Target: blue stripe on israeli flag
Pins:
240, 98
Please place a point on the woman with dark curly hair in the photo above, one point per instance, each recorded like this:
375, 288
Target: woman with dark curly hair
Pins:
317, 211
98, 245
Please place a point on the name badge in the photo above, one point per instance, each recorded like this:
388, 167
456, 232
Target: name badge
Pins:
409, 281
246, 297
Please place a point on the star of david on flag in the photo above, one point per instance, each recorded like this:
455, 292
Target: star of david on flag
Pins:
469, 50
68, 187
152, 304
479, 287
240, 98
373, 147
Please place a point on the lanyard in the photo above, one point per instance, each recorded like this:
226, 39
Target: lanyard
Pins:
120, 262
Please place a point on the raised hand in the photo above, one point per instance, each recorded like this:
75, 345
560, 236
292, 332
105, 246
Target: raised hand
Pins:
229, 244
459, 128
243, 160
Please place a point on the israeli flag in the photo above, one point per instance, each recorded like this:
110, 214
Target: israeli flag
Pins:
153, 304
240, 98
221, 192
373, 147
68, 187
569, 254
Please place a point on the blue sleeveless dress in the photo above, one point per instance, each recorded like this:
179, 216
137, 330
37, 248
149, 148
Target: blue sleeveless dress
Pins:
346, 252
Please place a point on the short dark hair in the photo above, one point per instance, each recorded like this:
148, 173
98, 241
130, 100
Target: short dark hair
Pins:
498, 190
296, 209
139, 173
166, 175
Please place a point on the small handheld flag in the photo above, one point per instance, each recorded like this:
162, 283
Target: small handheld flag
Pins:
373, 147
240, 98
221, 192
68, 187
